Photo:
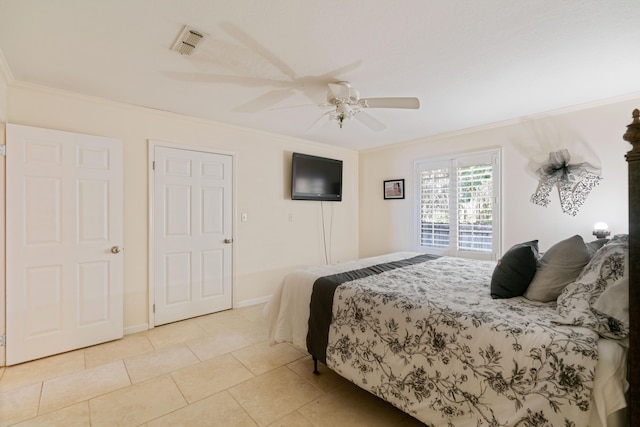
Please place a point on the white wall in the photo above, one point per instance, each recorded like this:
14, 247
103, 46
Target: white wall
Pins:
266, 247
591, 133
5, 77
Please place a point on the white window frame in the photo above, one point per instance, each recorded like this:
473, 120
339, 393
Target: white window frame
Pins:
454, 161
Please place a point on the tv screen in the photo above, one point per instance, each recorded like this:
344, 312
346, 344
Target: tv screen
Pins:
315, 178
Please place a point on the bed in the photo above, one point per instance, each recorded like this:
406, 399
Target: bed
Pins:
434, 337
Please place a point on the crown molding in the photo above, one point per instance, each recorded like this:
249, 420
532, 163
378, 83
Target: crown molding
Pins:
37, 88
517, 120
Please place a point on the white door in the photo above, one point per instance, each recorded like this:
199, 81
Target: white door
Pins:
64, 230
192, 233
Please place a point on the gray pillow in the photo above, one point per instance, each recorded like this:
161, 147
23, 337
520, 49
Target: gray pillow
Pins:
558, 267
596, 244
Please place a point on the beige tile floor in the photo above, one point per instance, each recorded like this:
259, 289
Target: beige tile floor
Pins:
215, 370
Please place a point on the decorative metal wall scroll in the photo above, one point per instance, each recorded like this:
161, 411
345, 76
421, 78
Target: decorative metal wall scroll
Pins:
574, 182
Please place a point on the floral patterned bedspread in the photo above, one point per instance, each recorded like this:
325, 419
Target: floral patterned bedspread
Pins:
429, 339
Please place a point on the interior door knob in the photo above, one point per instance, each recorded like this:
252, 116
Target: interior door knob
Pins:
115, 250
228, 240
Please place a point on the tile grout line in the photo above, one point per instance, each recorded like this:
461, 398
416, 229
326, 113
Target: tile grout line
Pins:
39, 399
246, 366
240, 404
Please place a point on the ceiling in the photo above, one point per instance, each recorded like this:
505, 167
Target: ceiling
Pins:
469, 62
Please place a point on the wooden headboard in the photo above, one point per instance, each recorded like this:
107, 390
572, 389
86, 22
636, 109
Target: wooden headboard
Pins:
633, 158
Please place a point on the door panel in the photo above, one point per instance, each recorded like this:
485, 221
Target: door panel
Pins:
43, 292
212, 273
192, 218
64, 213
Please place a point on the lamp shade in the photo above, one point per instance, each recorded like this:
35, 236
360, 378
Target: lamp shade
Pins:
601, 230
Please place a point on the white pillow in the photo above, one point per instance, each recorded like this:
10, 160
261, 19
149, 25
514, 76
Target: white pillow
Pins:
614, 302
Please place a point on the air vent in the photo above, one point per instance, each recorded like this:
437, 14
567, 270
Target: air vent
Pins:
188, 40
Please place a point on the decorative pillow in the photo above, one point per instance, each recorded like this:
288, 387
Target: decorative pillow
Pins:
606, 271
596, 244
558, 267
515, 270
619, 238
612, 306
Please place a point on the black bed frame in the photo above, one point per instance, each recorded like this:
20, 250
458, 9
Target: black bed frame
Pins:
633, 159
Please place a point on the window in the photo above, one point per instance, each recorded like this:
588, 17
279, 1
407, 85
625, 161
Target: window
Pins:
459, 205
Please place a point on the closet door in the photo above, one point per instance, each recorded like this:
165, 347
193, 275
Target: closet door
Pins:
64, 238
192, 233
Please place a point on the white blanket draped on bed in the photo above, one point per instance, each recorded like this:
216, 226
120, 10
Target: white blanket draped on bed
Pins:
426, 349
287, 312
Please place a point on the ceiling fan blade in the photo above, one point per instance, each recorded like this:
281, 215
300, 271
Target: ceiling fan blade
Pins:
244, 81
370, 121
264, 101
331, 75
301, 105
318, 123
258, 48
412, 103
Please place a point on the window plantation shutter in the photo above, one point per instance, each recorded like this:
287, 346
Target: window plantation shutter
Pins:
434, 208
475, 206
459, 205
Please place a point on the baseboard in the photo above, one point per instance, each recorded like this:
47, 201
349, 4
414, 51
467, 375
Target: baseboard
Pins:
136, 328
250, 302
240, 304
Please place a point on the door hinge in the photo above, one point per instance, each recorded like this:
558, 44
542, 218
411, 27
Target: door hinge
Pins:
3, 340
154, 308
3, 150
153, 165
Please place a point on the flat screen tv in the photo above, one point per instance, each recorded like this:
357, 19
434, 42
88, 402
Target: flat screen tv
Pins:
316, 178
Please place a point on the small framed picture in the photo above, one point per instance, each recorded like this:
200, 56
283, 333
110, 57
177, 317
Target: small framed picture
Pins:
394, 189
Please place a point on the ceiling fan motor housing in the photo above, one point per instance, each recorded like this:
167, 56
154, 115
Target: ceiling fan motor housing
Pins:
342, 92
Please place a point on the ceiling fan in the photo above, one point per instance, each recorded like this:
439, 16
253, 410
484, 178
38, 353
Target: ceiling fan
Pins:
348, 104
